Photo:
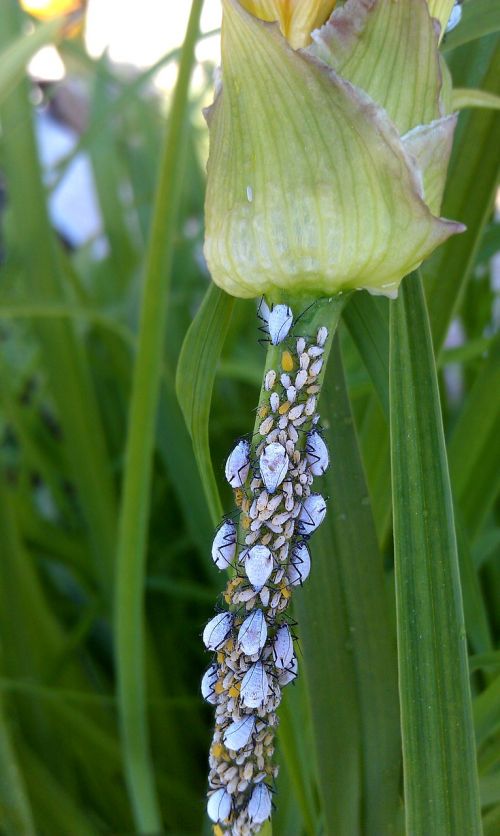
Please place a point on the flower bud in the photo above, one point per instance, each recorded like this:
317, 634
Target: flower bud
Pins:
296, 18
327, 164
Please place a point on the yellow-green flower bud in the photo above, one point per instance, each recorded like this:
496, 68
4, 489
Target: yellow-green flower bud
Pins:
327, 164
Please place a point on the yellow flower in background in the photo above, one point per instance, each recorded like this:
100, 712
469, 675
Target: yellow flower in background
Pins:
48, 9
296, 18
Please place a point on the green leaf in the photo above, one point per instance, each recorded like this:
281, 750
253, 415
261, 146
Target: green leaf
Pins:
474, 446
463, 97
472, 182
195, 379
487, 711
135, 505
349, 652
440, 775
15, 56
17, 818
479, 18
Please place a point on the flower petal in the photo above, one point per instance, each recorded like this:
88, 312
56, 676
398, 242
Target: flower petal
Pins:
430, 146
296, 18
336, 202
390, 51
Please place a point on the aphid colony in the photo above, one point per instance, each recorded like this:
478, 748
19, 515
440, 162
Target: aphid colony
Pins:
252, 641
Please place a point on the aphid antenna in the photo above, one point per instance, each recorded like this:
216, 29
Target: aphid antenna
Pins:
299, 317
263, 309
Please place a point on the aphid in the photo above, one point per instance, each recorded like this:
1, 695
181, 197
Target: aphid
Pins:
291, 393
252, 634
238, 733
290, 672
315, 368
266, 425
254, 686
219, 805
287, 361
315, 351
273, 465
259, 806
322, 336
208, 685
283, 647
269, 380
317, 453
301, 379
238, 464
301, 344
300, 565
217, 630
310, 406
311, 514
274, 401
258, 566
224, 545
296, 412
279, 323
455, 17
285, 380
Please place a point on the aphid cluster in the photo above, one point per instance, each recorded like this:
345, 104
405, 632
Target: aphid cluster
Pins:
252, 641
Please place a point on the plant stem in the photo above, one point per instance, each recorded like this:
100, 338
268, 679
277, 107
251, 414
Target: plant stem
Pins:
135, 505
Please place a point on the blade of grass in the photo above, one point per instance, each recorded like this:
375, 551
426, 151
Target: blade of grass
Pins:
482, 17
440, 775
474, 447
131, 551
64, 362
17, 818
487, 711
349, 649
195, 379
15, 55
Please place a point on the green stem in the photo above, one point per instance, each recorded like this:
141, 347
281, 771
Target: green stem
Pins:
134, 512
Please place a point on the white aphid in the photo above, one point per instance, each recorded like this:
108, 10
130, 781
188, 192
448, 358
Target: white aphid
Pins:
301, 344
283, 647
258, 566
317, 453
300, 565
208, 685
322, 336
217, 630
269, 380
455, 17
291, 393
224, 545
290, 673
273, 465
254, 686
311, 514
301, 378
274, 401
279, 322
238, 464
259, 806
238, 733
219, 805
252, 634
315, 368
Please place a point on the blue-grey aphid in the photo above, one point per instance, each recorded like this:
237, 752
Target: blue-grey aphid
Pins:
254, 686
224, 544
208, 685
311, 514
317, 453
273, 465
238, 464
259, 806
258, 566
217, 630
239, 732
283, 647
252, 634
300, 565
289, 673
219, 805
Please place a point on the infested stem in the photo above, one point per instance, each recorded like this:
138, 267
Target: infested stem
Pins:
272, 476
